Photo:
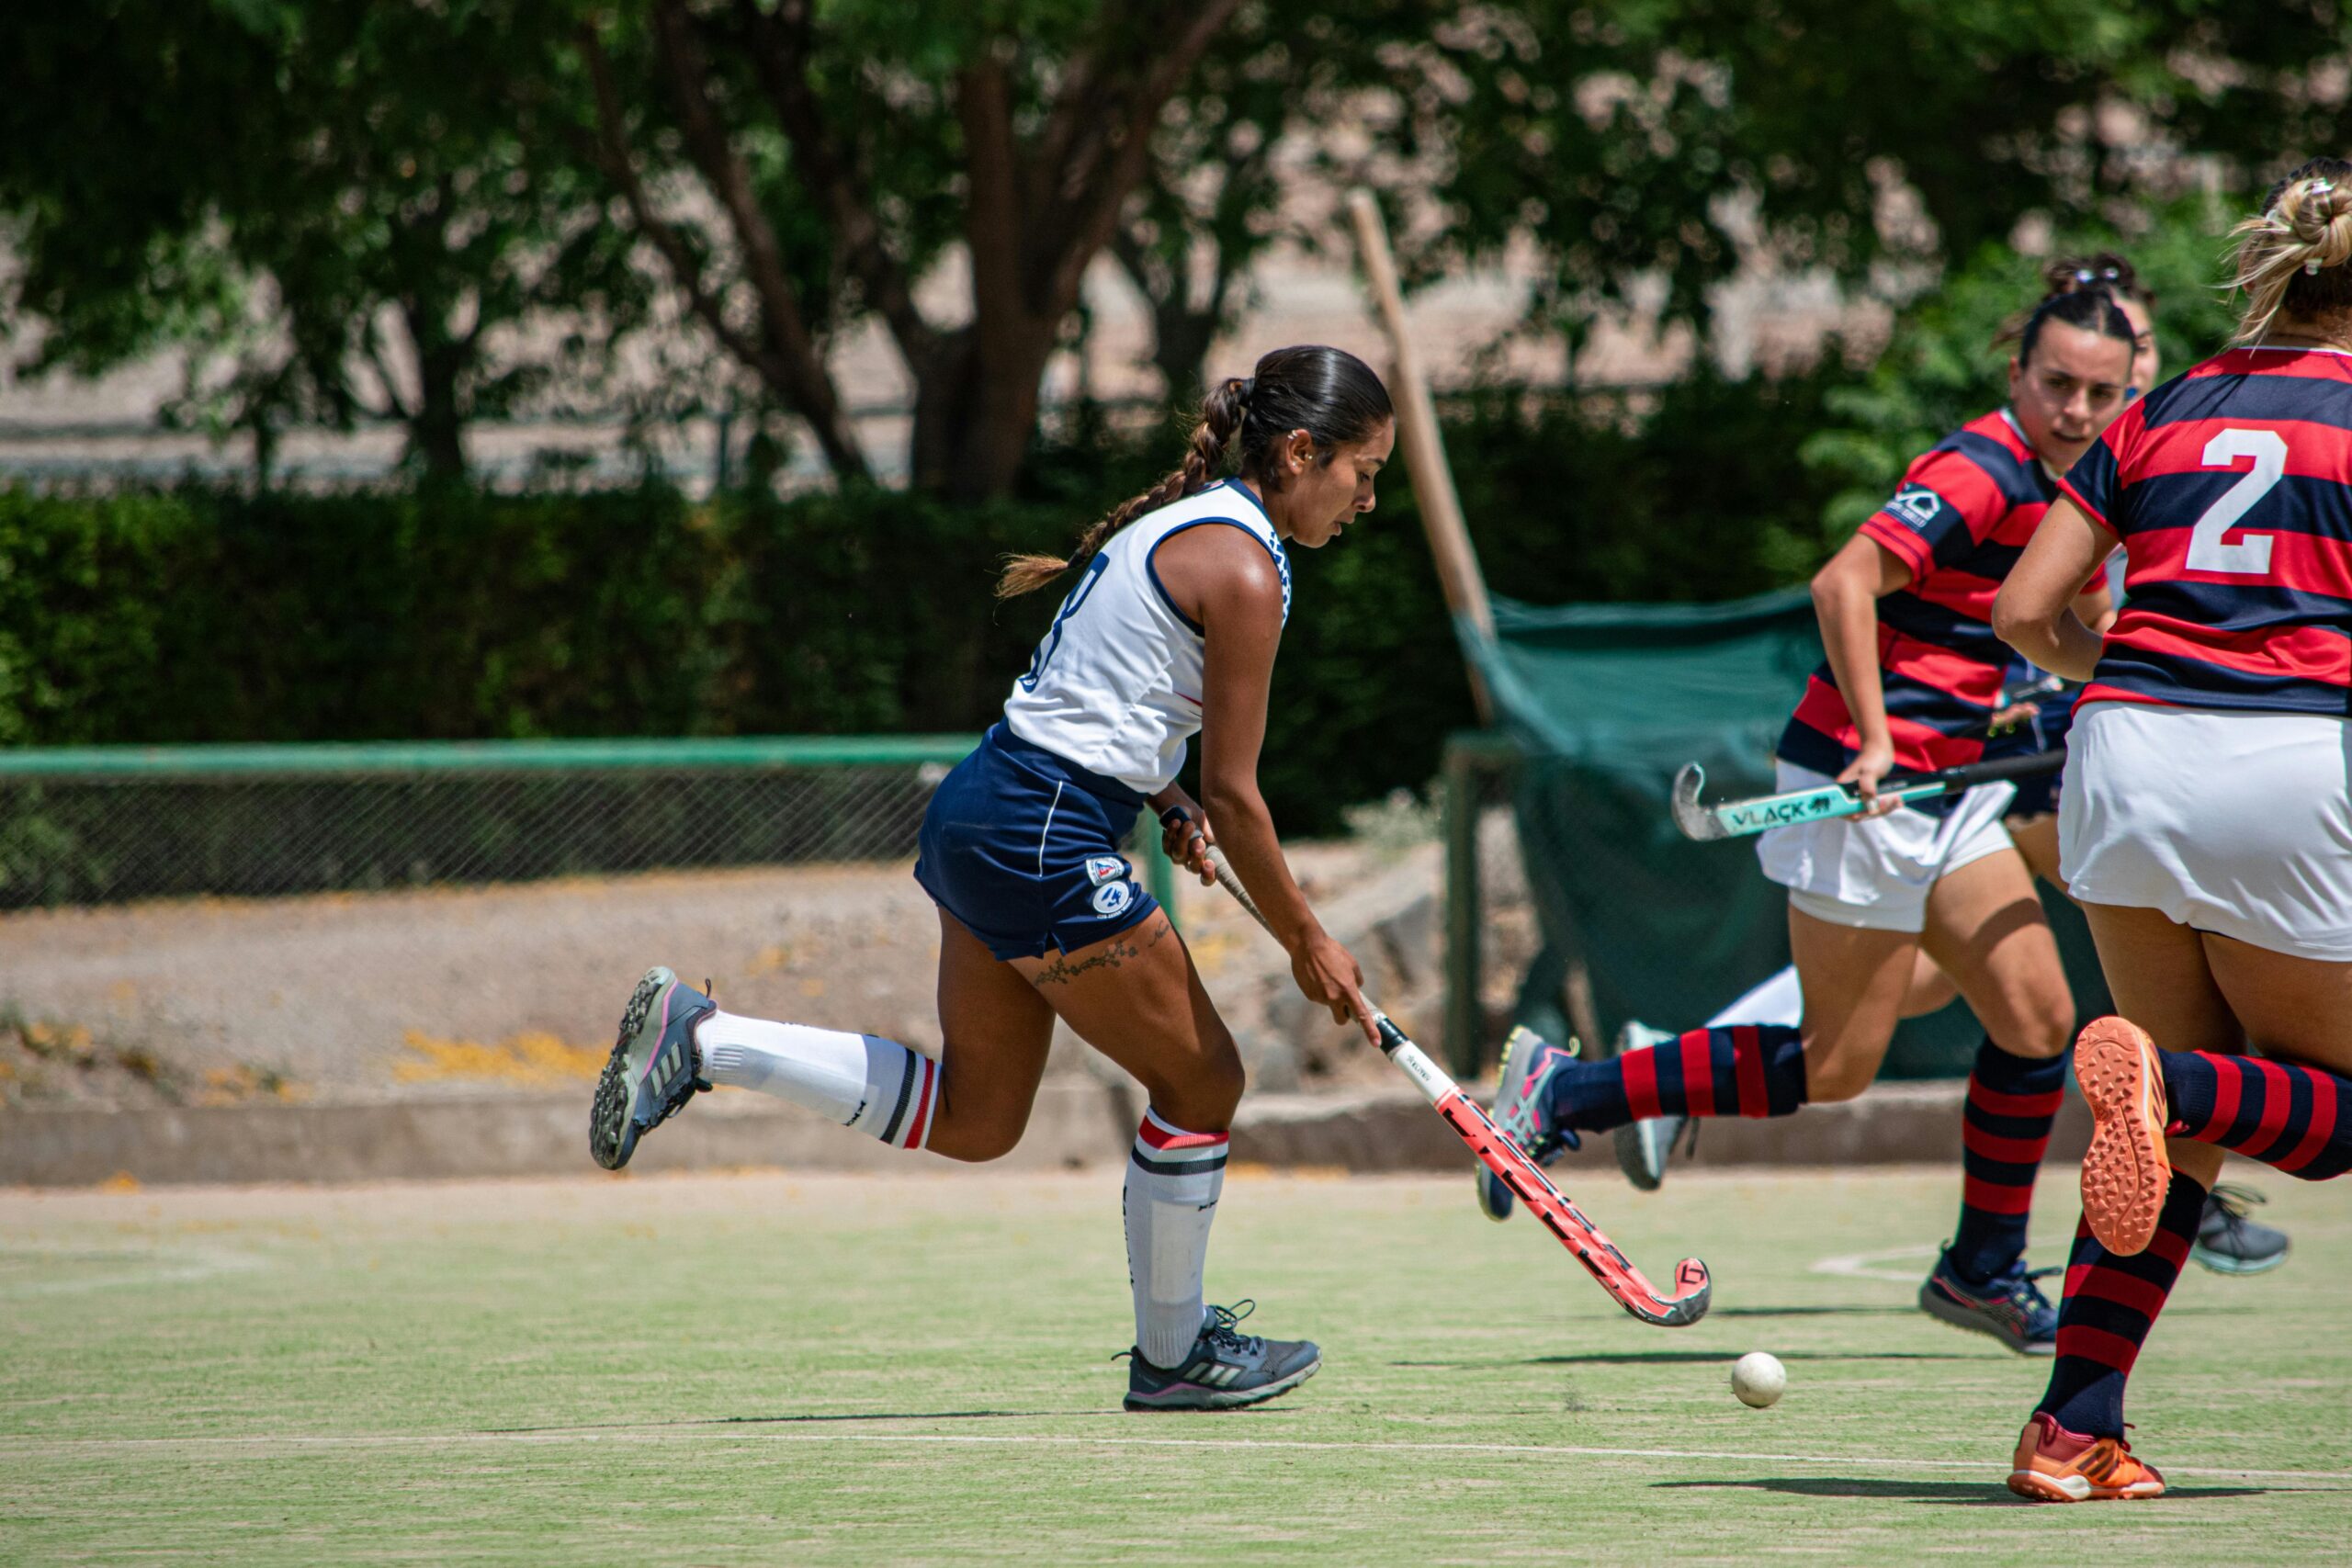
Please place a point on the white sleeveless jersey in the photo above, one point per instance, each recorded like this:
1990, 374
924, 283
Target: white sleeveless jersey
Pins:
1115, 686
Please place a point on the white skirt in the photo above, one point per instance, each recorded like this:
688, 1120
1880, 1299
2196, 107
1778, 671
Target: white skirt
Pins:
1876, 872
2236, 823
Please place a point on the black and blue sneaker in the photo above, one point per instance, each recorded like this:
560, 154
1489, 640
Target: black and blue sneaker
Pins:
1225, 1370
2230, 1242
1642, 1146
1529, 1062
2009, 1306
654, 1070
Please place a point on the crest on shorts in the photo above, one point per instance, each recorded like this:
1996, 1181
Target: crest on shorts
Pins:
1100, 869
1112, 897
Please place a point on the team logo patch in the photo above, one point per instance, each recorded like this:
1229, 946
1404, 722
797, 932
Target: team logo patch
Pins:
1916, 504
1100, 869
1112, 897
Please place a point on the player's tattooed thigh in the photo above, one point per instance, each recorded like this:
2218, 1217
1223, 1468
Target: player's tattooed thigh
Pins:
1061, 971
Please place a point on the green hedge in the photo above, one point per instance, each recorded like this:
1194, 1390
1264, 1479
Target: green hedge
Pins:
200, 614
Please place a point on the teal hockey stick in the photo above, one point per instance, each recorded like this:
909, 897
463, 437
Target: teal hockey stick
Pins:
1735, 819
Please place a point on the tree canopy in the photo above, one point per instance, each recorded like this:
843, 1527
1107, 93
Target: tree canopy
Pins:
425, 210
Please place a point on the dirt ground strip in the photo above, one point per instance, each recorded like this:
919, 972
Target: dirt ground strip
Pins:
355, 996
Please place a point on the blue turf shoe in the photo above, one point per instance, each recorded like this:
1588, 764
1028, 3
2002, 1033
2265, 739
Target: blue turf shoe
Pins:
1642, 1146
2010, 1307
654, 1069
1529, 1062
1225, 1370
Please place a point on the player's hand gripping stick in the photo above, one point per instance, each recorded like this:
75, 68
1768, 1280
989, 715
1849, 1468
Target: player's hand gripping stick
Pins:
1524, 1175
1734, 819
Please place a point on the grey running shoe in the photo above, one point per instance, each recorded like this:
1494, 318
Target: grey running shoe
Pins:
2229, 1243
654, 1069
1529, 1061
2010, 1307
1642, 1146
1225, 1370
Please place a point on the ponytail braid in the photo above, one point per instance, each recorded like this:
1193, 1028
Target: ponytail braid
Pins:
1222, 412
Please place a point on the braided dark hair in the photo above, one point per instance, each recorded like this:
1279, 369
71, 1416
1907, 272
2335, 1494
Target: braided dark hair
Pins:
2093, 310
1327, 392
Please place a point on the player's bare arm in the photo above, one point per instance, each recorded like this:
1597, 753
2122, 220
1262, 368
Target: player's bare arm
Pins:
1233, 589
1845, 595
2035, 611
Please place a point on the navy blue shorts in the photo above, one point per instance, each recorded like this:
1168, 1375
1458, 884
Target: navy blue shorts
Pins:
1024, 849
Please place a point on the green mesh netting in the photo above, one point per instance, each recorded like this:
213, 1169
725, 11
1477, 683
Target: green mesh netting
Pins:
1605, 703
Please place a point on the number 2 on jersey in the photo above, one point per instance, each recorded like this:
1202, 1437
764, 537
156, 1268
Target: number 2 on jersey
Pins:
2250, 557
1053, 638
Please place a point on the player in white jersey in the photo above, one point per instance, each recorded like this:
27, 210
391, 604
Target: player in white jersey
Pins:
1169, 628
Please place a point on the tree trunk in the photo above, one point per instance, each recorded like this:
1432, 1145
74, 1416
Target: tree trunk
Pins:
975, 413
436, 424
1180, 348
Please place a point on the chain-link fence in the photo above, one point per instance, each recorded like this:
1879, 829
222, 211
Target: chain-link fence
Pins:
209, 923
103, 826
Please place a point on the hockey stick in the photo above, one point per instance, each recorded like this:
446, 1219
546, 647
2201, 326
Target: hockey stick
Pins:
1734, 817
1524, 1175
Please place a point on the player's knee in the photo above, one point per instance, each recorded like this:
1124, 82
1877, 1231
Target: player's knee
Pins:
983, 1135
1203, 1097
2043, 1031
1833, 1081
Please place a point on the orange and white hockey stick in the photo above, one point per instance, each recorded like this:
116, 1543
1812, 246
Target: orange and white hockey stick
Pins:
1524, 1175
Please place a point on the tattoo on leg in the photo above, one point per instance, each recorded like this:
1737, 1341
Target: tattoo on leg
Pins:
1061, 971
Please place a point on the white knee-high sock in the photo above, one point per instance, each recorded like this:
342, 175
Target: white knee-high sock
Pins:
878, 1086
1777, 1000
1173, 1180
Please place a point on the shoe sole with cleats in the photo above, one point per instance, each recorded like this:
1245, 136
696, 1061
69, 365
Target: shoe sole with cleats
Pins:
2126, 1171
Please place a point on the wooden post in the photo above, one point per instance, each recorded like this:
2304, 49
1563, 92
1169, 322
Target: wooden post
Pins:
1417, 432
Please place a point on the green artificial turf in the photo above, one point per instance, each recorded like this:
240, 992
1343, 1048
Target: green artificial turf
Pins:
765, 1368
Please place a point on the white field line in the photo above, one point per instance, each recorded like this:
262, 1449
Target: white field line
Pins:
1867, 1265
705, 1432
118, 1268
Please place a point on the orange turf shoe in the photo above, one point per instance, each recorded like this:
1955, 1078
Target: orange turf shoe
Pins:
2054, 1466
2126, 1172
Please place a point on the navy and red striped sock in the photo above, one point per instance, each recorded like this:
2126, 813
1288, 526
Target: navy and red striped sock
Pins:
1741, 1069
2296, 1117
2109, 1305
2004, 1127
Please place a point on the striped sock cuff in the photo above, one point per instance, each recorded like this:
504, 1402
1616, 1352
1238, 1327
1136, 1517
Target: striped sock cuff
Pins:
914, 1108
1163, 1149
2295, 1117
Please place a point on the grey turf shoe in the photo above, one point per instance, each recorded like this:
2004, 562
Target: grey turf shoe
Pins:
1225, 1370
1642, 1146
654, 1070
2229, 1243
1528, 1060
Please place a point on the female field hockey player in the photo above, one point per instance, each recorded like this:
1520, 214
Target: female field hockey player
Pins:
2228, 1240
1913, 678
2206, 820
1169, 629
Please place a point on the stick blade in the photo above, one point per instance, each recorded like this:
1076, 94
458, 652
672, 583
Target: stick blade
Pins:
1696, 822
1693, 1293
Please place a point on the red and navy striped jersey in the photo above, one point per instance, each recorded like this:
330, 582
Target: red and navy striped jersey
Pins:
2230, 487
1959, 521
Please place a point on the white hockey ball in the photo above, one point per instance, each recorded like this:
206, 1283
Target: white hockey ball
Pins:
1758, 1379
